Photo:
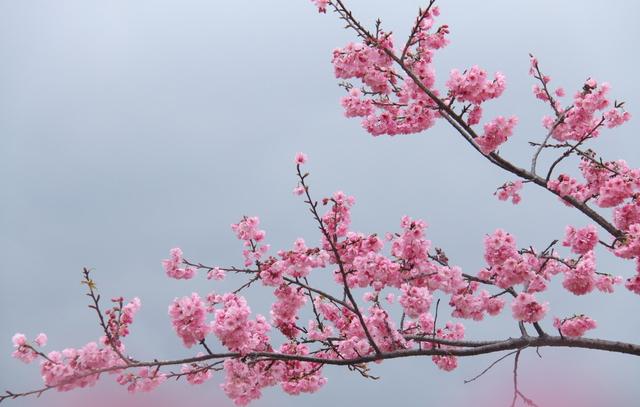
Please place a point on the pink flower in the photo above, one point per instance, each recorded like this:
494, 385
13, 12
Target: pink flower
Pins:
172, 266
630, 247
247, 231
19, 340
580, 279
196, 373
300, 377
575, 326
605, 283
581, 241
72, 368
510, 190
145, 381
415, 300
41, 339
216, 274
24, 352
301, 158
322, 5
526, 309
565, 185
474, 86
234, 328
188, 318
450, 332
615, 117
626, 215
475, 114
499, 247
633, 284
356, 106
285, 310
583, 120
496, 133
494, 305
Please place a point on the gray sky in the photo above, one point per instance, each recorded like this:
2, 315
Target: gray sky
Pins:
129, 128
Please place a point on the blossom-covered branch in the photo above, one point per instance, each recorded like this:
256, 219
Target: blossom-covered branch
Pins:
387, 285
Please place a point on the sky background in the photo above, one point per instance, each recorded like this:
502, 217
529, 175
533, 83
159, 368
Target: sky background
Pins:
129, 128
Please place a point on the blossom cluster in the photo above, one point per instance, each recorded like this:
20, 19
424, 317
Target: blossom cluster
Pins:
173, 263
188, 316
247, 231
390, 104
76, 368
510, 190
575, 326
120, 317
611, 184
24, 351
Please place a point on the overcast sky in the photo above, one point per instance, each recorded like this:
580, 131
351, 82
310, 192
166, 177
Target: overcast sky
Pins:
131, 127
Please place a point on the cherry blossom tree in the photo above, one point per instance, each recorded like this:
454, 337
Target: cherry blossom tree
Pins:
385, 303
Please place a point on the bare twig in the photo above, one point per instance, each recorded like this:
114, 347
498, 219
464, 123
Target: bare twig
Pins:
495, 362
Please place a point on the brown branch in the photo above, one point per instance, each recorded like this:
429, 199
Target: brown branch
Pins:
462, 351
95, 298
314, 211
465, 130
534, 160
322, 293
410, 40
516, 391
568, 152
460, 125
495, 362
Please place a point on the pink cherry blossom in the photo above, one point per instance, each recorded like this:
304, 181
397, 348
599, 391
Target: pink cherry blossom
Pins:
188, 316
575, 326
606, 283
415, 300
527, 309
452, 331
322, 5
581, 279
41, 339
235, 329
499, 247
510, 190
627, 215
216, 274
247, 230
301, 158
73, 368
583, 120
197, 373
615, 118
581, 241
23, 352
633, 283
285, 310
145, 380
496, 133
172, 266
474, 86
629, 247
